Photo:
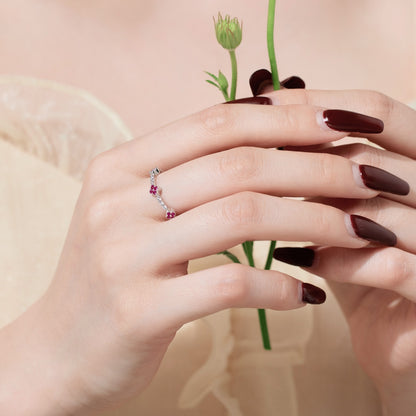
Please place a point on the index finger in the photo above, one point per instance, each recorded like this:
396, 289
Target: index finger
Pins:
399, 119
223, 127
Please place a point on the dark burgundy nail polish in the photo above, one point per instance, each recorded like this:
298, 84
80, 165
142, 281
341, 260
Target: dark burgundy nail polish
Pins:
297, 256
381, 180
252, 100
371, 231
259, 80
293, 82
349, 121
312, 294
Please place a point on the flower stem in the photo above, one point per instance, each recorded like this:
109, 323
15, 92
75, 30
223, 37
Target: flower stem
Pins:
248, 250
264, 329
270, 44
262, 312
276, 86
234, 75
270, 255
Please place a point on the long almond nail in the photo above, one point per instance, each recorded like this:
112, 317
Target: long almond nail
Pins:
369, 230
312, 294
380, 180
260, 80
296, 256
252, 100
293, 82
349, 121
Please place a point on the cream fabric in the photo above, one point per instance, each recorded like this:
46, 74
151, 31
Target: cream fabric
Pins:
215, 366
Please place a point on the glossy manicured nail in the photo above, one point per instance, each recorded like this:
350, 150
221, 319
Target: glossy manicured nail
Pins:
380, 180
312, 294
262, 79
293, 82
349, 121
259, 80
297, 256
369, 230
252, 100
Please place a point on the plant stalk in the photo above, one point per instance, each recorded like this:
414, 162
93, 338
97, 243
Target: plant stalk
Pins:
270, 43
234, 75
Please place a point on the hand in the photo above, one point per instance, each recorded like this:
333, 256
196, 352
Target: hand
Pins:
121, 289
376, 286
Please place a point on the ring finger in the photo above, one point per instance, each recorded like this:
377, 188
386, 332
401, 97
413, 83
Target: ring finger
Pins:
224, 223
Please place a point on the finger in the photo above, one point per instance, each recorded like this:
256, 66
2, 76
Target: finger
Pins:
399, 119
391, 214
226, 126
270, 172
194, 296
224, 223
385, 268
261, 82
398, 165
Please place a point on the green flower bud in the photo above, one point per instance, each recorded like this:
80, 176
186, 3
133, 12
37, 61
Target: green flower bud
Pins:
229, 32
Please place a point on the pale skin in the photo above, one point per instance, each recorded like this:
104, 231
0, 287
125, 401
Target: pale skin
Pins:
119, 294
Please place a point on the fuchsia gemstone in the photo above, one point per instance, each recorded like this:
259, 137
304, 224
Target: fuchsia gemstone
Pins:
170, 214
153, 189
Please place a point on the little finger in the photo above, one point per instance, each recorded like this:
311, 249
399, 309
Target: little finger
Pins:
384, 268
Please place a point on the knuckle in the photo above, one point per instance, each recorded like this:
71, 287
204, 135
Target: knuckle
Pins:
99, 164
288, 119
325, 168
232, 286
364, 154
397, 269
240, 164
100, 210
240, 209
217, 119
322, 222
381, 104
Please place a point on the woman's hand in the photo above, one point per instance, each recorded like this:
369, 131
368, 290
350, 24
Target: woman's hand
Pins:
121, 289
376, 286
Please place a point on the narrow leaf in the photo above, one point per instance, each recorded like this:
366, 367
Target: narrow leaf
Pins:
213, 83
231, 256
211, 75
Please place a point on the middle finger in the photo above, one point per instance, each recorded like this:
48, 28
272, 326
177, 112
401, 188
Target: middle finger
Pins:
267, 171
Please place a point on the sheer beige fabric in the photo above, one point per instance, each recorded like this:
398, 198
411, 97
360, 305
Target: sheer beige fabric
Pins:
215, 366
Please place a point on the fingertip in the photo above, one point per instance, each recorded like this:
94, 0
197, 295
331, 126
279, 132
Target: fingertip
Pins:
295, 256
261, 82
312, 294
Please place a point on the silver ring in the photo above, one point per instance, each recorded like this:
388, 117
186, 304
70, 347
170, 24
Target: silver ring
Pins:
155, 190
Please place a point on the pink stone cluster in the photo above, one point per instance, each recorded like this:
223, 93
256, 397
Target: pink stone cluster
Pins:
153, 189
170, 214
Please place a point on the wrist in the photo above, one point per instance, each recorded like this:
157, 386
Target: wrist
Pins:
31, 375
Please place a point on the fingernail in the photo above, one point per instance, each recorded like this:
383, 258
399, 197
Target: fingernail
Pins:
252, 100
312, 294
369, 230
259, 80
297, 256
349, 121
380, 180
293, 82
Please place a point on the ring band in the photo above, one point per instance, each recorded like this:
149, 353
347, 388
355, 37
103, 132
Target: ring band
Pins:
155, 191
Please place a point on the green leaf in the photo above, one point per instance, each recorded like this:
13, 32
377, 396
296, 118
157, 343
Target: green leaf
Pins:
231, 256
222, 81
211, 75
213, 83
